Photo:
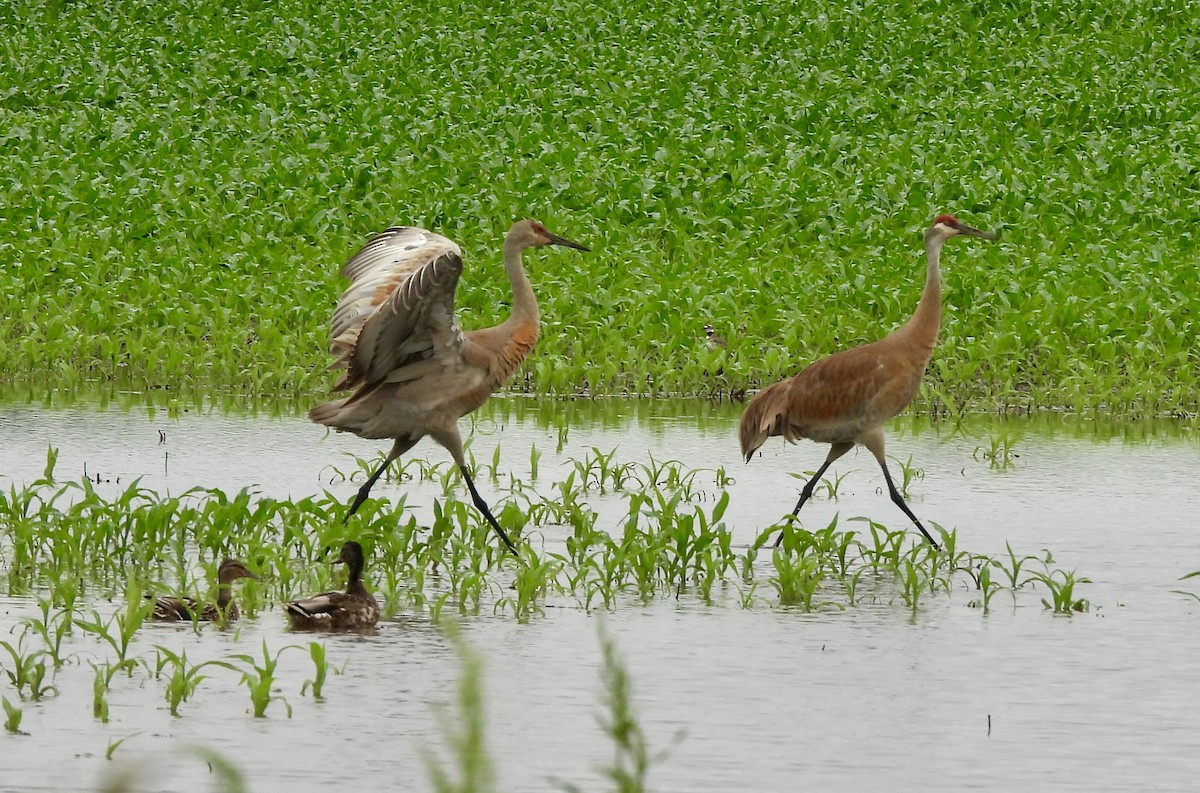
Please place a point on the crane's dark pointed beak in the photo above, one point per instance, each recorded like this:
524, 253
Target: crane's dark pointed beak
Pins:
566, 243
972, 232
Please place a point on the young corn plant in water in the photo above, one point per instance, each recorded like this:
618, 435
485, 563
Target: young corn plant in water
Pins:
27, 670
886, 547
464, 730
593, 469
833, 546
909, 474
951, 556
1061, 585
829, 484
533, 580
935, 566
115, 744
53, 628
260, 678
1185, 592
914, 581
850, 584
184, 678
633, 760
602, 575
722, 479
1013, 569
999, 452
763, 539
100, 684
987, 588
321, 665
121, 627
436, 605
797, 577
12, 717
535, 457
640, 554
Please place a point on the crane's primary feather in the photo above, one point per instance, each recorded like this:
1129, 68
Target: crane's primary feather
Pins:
399, 308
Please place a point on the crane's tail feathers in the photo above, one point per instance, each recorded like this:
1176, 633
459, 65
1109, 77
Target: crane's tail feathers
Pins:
328, 413
356, 413
343, 348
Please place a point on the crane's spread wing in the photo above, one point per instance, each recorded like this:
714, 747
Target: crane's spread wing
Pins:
399, 307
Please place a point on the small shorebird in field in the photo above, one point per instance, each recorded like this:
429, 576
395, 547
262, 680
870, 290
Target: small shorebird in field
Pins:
712, 339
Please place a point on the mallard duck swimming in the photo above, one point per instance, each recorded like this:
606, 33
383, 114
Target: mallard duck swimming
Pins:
174, 609
354, 608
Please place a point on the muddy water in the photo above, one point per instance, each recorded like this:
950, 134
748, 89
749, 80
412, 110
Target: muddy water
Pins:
761, 699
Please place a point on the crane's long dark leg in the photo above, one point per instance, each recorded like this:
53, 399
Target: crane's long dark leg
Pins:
482, 506
874, 442
452, 441
835, 451
398, 448
899, 501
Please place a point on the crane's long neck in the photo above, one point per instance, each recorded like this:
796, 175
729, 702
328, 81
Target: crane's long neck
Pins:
922, 328
524, 305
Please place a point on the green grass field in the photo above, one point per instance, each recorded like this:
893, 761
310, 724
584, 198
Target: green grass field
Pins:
180, 182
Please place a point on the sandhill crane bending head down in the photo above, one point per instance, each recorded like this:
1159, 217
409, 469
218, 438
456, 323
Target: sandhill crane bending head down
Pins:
413, 370
843, 400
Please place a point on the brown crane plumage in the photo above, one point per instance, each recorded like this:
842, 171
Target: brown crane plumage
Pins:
843, 400
413, 371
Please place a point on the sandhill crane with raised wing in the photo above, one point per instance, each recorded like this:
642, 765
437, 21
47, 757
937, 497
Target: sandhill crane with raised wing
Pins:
414, 372
843, 400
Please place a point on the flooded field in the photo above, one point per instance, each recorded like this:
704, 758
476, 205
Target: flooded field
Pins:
739, 696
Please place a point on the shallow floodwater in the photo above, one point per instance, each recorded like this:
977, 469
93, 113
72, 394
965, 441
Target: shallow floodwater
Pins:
763, 699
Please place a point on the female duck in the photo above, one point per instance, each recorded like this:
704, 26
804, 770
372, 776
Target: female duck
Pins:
354, 608
174, 609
